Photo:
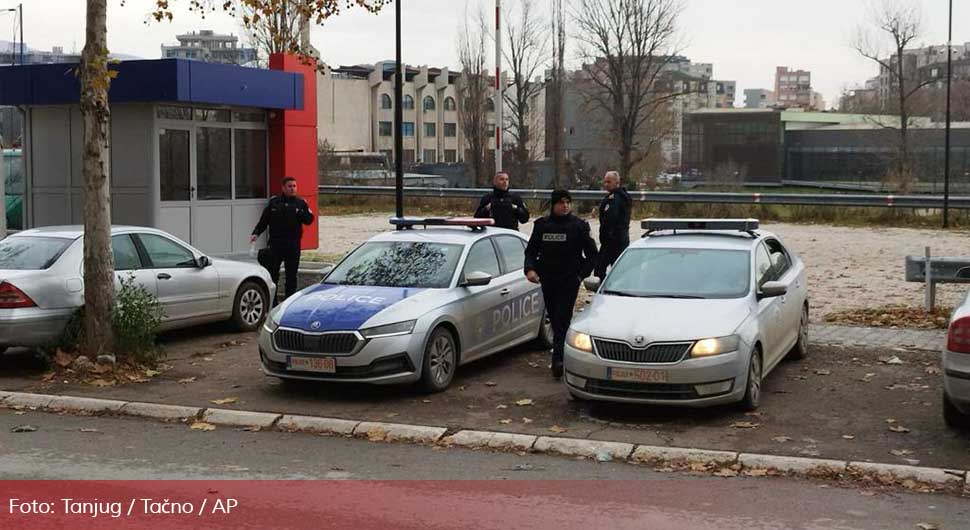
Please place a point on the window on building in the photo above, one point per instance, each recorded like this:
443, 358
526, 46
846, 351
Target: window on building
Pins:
213, 169
430, 129
451, 156
250, 163
489, 105
429, 156
171, 112
386, 101
384, 128
407, 128
212, 115
451, 130
407, 103
173, 164
409, 157
428, 103
450, 103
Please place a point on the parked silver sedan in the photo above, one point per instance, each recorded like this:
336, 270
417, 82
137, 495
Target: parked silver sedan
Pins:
956, 368
41, 282
696, 313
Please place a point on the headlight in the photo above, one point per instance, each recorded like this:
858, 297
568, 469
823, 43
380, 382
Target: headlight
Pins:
579, 341
706, 347
272, 321
389, 330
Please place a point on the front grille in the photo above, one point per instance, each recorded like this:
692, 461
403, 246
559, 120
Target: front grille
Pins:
395, 364
655, 353
659, 391
334, 343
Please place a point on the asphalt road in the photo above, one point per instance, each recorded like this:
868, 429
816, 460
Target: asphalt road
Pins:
70, 447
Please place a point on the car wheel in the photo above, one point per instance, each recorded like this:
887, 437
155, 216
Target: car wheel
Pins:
752, 391
544, 339
250, 306
952, 415
440, 361
800, 350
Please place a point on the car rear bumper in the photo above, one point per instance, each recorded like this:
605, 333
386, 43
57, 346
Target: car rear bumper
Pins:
382, 361
956, 379
32, 327
692, 383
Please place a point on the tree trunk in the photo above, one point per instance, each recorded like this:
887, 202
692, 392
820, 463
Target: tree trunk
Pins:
98, 260
902, 165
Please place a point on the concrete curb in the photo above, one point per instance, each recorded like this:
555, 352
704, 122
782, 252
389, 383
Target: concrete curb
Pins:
420, 434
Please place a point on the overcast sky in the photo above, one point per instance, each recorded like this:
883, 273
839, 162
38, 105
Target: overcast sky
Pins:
744, 39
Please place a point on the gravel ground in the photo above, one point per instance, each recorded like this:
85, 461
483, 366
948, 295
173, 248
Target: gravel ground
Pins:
848, 267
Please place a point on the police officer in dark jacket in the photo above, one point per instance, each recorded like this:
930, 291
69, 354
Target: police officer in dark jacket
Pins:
285, 216
560, 254
507, 209
614, 214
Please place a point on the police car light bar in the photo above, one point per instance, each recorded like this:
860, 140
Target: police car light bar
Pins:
740, 225
406, 223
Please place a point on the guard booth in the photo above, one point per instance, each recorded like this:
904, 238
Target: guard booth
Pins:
196, 149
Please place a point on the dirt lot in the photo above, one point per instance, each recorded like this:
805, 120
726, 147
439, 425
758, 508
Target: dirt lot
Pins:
836, 404
848, 267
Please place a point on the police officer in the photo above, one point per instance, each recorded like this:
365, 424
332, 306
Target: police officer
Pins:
560, 254
614, 214
506, 208
285, 216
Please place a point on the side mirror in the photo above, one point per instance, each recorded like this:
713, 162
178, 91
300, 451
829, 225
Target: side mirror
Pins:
204, 262
772, 290
592, 284
477, 278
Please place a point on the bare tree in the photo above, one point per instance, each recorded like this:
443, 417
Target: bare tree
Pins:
627, 45
473, 91
271, 34
554, 93
900, 23
525, 56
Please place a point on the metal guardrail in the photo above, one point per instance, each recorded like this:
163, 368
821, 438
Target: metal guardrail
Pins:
806, 199
940, 270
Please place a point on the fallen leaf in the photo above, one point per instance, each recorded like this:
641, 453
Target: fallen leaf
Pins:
186, 381
557, 429
208, 359
19, 412
891, 360
63, 359
927, 526
526, 420
756, 472
698, 466
848, 437
252, 428
726, 472
823, 372
745, 425
101, 383
225, 401
867, 378
781, 439
890, 420
506, 421
135, 378
524, 403
754, 414
900, 452
377, 434
89, 430
202, 426
425, 401
898, 428
490, 383
24, 428
932, 370
500, 407
151, 373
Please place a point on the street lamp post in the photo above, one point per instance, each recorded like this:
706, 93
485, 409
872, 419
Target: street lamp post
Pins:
398, 118
946, 154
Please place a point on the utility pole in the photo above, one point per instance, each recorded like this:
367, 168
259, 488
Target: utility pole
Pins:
20, 11
398, 117
499, 87
946, 142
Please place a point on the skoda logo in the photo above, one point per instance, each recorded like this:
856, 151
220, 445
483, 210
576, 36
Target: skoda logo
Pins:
639, 340
315, 324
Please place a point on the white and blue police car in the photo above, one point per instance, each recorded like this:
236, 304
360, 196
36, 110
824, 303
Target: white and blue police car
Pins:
409, 305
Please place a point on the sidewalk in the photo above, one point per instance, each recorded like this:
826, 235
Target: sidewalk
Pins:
880, 338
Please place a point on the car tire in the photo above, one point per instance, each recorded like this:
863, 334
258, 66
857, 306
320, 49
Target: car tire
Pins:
250, 306
440, 361
752, 383
952, 415
800, 350
544, 339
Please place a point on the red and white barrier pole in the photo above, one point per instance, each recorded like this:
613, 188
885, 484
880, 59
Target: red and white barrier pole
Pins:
499, 86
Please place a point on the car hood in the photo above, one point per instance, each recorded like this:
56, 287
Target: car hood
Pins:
329, 307
660, 319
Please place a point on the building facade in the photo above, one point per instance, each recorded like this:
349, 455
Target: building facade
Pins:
793, 88
206, 45
759, 98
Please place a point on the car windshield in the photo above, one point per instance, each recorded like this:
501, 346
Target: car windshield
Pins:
398, 264
30, 253
680, 273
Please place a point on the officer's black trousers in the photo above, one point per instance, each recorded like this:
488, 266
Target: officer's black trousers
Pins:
287, 255
610, 249
560, 297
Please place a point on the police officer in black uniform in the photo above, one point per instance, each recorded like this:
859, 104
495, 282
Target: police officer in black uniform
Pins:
614, 214
560, 254
285, 216
506, 208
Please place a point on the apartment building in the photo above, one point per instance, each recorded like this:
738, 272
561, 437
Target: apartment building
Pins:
758, 98
793, 88
208, 46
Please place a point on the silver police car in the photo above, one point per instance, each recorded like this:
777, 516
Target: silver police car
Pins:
409, 305
695, 313
956, 368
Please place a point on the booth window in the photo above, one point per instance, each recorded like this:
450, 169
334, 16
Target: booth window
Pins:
250, 163
213, 169
173, 164
172, 112
216, 115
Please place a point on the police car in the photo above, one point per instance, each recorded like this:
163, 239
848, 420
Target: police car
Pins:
695, 313
409, 305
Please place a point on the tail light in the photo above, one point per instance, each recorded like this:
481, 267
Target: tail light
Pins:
12, 298
958, 336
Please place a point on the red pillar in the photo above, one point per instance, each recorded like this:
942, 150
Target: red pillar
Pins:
293, 142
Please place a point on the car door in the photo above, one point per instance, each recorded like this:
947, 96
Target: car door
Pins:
129, 264
782, 270
481, 303
524, 303
770, 317
186, 291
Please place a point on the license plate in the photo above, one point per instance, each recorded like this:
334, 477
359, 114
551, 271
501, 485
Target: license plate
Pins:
326, 365
638, 375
